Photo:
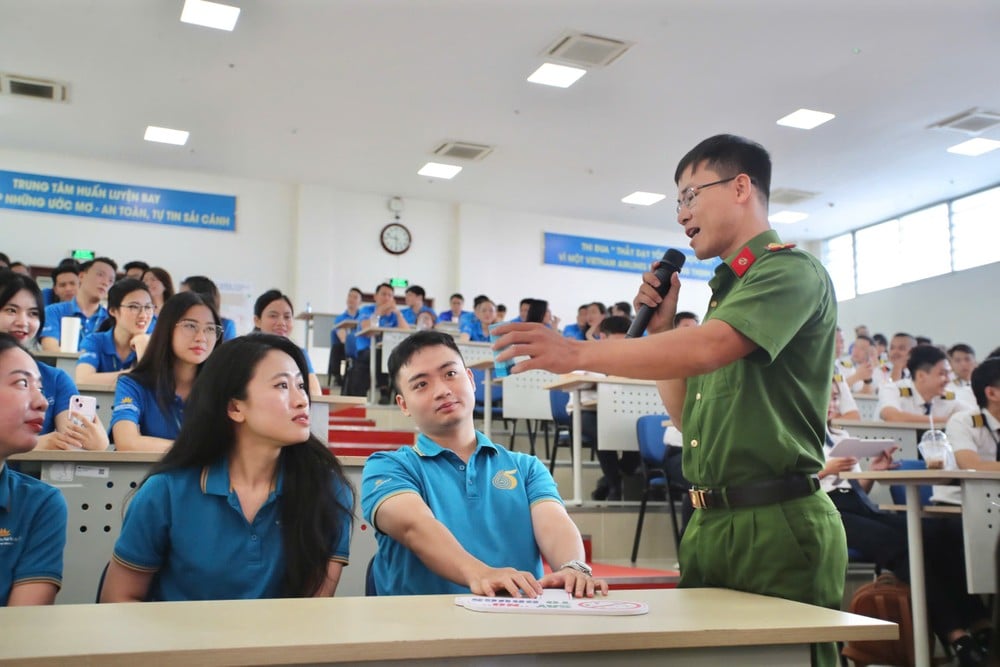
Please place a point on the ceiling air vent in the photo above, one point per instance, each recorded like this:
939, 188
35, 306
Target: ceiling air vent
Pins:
972, 122
39, 89
586, 51
790, 196
463, 150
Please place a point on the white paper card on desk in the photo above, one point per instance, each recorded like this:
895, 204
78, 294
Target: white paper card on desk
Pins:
554, 601
861, 448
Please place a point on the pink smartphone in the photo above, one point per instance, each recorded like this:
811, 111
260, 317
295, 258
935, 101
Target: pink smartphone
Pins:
85, 406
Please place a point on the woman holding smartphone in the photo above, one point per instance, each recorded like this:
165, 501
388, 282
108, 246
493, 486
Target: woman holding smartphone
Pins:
149, 401
22, 316
122, 338
272, 504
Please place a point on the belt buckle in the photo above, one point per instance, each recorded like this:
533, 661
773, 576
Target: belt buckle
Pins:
697, 498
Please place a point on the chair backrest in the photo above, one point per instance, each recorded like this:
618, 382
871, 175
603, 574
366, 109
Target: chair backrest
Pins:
649, 430
496, 395
898, 491
558, 400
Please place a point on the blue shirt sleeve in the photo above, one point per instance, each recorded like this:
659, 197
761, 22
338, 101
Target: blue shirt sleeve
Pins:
384, 475
90, 351
42, 557
58, 387
129, 401
228, 329
53, 322
538, 482
340, 549
144, 540
309, 363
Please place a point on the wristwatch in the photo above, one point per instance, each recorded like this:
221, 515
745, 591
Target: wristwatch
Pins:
579, 566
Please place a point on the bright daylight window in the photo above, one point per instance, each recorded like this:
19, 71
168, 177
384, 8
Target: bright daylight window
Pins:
924, 244
838, 257
878, 257
975, 224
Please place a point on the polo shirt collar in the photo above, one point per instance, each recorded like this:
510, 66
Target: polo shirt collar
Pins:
107, 342
427, 447
5, 482
991, 422
215, 478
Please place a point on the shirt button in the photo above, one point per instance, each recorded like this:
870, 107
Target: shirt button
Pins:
713, 304
697, 396
694, 443
253, 537
461, 467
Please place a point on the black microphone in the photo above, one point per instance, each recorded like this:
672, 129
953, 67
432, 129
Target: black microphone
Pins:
671, 263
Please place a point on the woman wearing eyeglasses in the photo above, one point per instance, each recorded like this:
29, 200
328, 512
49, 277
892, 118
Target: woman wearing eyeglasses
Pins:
149, 401
122, 338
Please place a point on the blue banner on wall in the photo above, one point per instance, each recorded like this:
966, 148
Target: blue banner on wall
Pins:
114, 201
610, 255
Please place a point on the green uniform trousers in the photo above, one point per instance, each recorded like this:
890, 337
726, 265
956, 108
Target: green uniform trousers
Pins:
795, 550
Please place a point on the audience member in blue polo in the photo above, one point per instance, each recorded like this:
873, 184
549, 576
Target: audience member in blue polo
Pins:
65, 283
149, 401
456, 314
343, 343
477, 330
415, 295
457, 513
96, 278
383, 313
273, 313
22, 316
122, 340
209, 291
32, 513
579, 328
248, 503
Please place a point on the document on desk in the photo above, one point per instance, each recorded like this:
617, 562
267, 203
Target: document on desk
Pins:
554, 601
861, 448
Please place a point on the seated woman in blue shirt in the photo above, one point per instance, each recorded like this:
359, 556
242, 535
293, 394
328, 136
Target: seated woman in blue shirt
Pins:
248, 503
32, 513
22, 315
273, 314
122, 339
478, 330
149, 401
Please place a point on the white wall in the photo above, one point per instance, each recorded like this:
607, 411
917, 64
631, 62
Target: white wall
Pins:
260, 252
954, 308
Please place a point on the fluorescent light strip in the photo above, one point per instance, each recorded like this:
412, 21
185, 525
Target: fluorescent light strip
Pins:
438, 170
210, 14
787, 217
640, 198
975, 147
559, 76
805, 119
165, 135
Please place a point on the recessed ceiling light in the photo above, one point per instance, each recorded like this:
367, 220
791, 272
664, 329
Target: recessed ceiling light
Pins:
165, 135
805, 119
787, 217
641, 198
210, 14
974, 147
559, 76
438, 170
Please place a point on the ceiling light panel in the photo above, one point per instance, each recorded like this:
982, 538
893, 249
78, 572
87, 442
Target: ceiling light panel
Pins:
787, 217
210, 14
805, 119
975, 147
165, 135
438, 170
559, 76
640, 198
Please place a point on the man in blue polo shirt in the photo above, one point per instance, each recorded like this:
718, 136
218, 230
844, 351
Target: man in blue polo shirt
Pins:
384, 313
415, 295
96, 278
456, 512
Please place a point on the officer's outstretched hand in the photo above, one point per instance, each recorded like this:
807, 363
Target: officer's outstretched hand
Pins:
548, 349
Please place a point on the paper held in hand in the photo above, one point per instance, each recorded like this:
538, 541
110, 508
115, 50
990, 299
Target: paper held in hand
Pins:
859, 449
554, 601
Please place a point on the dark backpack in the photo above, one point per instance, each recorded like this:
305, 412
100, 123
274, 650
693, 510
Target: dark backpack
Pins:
888, 599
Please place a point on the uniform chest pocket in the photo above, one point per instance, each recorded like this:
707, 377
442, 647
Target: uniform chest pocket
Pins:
720, 384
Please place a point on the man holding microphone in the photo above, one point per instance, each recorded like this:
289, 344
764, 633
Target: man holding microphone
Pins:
748, 388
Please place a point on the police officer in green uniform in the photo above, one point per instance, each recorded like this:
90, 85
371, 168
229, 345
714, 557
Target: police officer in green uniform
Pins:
751, 385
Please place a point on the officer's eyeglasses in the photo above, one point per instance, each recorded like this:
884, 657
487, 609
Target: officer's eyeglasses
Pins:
687, 197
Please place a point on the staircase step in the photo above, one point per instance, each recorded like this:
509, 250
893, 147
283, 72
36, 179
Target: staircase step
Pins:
367, 435
353, 411
360, 449
352, 421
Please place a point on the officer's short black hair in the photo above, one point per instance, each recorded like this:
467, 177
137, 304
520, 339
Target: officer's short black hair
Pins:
924, 358
986, 374
960, 347
730, 156
412, 344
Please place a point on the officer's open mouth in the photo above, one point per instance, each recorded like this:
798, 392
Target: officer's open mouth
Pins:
692, 232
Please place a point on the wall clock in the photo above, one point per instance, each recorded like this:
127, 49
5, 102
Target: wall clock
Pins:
396, 238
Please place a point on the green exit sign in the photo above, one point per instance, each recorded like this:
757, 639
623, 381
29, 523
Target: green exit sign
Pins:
84, 255
399, 282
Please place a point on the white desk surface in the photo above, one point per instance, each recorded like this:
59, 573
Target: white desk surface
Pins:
848, 423
360, 629
374, 331
88, 388
921, 476
571, 381
337, 399
45, 354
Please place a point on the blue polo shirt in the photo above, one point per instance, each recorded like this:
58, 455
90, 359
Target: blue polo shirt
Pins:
475, 331
136, 403
309, 363
386, 321
411, 317
486, 505
99, 350
466, 316
228, 329
57, 311
187, 526
350, 340
32, 532
574, 331
58, 387
49, 296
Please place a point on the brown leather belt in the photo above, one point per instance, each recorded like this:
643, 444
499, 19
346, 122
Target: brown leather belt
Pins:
755, 494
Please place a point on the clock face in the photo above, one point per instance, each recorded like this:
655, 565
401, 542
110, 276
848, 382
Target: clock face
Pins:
396, 238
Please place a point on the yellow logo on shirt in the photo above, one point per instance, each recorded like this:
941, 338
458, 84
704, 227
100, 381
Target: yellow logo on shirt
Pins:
505, 480
127, 399
4, 532
381, 481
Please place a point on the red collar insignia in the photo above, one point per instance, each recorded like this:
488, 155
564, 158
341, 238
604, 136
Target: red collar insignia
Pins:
743, 261
774, 247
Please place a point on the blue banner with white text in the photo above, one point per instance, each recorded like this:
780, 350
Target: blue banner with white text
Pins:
611, 255
114, 201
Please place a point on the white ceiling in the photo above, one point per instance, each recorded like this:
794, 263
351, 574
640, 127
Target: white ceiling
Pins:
356, 93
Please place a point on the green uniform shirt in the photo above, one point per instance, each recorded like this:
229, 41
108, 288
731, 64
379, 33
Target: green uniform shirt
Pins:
763, 417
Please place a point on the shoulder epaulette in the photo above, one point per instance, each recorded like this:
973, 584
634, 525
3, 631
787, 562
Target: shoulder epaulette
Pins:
978, 421
905, 392
837, 377
775, 247
847, 364
949, 396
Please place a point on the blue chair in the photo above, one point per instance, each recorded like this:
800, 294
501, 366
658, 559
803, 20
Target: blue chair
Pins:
496, 398
558, 400
653, 452
898, 491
